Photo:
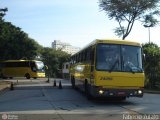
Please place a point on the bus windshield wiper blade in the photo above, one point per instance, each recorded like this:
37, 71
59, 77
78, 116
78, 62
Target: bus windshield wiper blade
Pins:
136, 69
113, 66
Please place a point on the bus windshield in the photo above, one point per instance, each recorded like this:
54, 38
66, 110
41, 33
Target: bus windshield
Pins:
40, 66
115, 57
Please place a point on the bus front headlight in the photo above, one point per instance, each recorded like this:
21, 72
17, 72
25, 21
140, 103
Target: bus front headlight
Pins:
139, 91
100, 92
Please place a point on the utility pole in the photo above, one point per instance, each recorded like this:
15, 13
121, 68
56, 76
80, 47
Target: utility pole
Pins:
149, 35
149, 32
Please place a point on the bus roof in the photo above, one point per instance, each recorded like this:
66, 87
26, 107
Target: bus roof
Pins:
19, 60
111, 41
116, 41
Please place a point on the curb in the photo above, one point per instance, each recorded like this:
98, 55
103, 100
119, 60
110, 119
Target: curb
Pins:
152, 92
6, 88
2, 91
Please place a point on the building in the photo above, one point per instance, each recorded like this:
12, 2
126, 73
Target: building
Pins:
65, 70
66, 47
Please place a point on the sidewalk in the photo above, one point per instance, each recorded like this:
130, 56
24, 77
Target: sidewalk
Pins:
151, 91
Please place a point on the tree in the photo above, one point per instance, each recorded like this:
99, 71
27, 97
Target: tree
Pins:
54, 59
126, 12
3, 12
15, 44
152, 64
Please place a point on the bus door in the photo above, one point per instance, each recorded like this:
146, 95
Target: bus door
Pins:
92, 64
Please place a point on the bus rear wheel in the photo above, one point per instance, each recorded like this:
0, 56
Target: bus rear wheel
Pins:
4, 77
27, 76
87, 91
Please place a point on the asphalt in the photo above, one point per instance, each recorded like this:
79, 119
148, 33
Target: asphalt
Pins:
7, 85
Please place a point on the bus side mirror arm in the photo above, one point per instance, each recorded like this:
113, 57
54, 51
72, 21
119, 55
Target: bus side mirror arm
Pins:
46, 67
144, 57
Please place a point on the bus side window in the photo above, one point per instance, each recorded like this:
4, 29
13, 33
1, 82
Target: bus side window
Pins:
33, 66
88, 54
92, 59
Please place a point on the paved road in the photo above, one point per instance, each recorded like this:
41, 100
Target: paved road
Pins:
37, 99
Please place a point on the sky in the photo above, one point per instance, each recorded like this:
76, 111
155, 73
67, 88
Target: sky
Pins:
77, 22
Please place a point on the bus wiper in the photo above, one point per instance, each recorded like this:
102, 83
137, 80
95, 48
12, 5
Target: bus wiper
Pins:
113, 66
132, 70
136, 69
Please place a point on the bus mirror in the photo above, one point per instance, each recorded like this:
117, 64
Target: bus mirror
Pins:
144, 57
46, 67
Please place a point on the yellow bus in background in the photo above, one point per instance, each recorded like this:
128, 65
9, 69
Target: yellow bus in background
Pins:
22, 68
109, 68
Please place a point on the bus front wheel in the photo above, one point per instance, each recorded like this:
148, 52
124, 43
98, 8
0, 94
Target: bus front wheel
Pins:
3, 76
87, 91
27, 76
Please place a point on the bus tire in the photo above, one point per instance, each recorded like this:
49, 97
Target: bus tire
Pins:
1, 75
73, 82
27, 76
4, 77
87, 92
35, 77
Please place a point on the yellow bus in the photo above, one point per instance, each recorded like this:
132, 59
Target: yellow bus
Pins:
109, 68
22, 68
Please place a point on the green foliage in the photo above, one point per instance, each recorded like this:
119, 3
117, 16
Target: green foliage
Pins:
126, 12
54, 60
150, 21
15, 44
119, 31
152, 64
3, 12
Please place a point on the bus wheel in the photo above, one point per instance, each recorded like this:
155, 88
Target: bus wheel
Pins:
10, 77
35, 77
1, 75
73, 82
4, 77
87, 92
27, 76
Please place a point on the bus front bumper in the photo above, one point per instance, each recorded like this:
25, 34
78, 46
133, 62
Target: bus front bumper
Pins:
104, 92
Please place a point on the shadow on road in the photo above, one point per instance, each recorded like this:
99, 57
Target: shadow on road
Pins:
45, 97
